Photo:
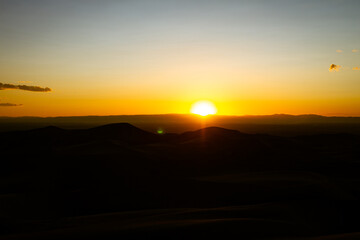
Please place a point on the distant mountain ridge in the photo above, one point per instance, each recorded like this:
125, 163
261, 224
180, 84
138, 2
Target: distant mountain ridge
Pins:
277, 124
159, 116
119, 134
123, 132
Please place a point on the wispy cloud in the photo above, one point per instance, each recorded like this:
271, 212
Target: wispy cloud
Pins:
5, 86
356, 68
9, 105
355, 50
334, 68
339, 51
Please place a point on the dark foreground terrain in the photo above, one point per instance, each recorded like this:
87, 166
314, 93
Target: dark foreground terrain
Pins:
120, 182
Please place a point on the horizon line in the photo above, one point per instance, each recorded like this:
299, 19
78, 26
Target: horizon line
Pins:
188, 114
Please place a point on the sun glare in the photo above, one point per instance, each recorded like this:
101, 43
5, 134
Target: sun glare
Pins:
203, 108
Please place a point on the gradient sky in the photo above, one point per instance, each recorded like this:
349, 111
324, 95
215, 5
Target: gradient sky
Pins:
110, 57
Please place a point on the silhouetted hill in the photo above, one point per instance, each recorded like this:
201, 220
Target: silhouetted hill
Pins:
118, 130
123, 132
212, 133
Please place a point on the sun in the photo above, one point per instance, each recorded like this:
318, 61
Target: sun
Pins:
203, 108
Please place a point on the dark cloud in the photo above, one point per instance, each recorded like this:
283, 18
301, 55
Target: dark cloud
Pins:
5, 86
34, 88
9, 105
334, 67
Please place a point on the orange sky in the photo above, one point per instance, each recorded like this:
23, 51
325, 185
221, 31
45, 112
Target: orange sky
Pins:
249, 58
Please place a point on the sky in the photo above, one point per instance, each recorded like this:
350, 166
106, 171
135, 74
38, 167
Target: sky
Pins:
107, 57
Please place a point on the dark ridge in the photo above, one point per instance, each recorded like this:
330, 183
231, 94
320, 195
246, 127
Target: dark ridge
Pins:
213, 132
119, 131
